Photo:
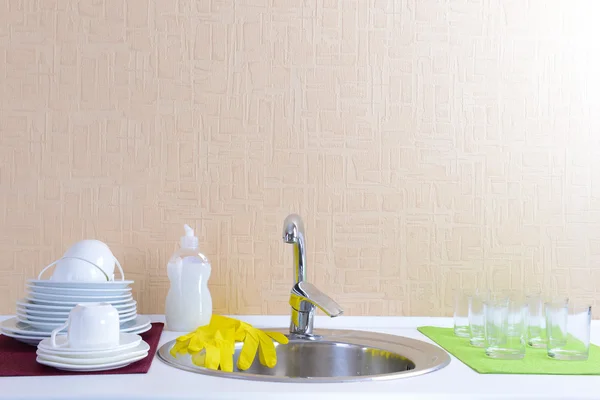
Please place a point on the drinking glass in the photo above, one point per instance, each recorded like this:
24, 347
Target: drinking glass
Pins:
477, 301
568, 330
536, 321
461, 313
506, 327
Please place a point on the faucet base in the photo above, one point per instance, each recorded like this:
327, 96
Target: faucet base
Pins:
299, 336
302, 321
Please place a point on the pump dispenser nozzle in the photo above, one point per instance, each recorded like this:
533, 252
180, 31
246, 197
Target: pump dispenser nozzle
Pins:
189, 241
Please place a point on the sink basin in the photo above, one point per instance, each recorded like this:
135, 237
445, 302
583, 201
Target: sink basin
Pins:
334, 356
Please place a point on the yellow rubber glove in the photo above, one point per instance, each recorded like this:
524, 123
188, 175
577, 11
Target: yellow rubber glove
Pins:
218, 346
218, 338
257, 340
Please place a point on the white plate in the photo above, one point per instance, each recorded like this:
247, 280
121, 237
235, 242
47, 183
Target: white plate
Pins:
141, 321
95, 358
21, 316
38, 314
90, 368
50, 326
12, 325
34, 341
31, 340
45, 328
24, 315
80, 285
126, 341
139, 325
71, 303
78, 292
140, 329
52, 308
78, 299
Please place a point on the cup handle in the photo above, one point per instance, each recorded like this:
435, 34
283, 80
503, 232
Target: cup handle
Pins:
77, 258
54, 332
120, 268
87, 261
45, 268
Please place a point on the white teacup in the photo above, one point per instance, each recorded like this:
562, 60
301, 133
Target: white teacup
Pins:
85, 261
71, 269
96, 252
91, 326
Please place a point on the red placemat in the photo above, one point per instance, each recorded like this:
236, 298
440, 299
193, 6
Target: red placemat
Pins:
18, 359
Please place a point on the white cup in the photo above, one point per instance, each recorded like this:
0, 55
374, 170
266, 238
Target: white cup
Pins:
94, 251
85, 261
75, 269
91, 326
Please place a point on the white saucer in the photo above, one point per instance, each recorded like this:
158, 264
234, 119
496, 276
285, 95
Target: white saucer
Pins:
60, 308
97, 357
90, 368
72, 304
78, 299
80, 285
50, 326
77, 291
126, 341
61, 318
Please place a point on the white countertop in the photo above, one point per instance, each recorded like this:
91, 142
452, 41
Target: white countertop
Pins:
456, 381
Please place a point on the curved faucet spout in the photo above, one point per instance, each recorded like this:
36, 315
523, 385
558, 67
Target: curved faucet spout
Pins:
293, 233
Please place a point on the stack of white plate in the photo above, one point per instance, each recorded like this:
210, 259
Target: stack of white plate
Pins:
48, 304
131, 348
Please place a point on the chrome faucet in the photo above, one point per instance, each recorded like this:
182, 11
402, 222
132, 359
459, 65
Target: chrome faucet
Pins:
304, 296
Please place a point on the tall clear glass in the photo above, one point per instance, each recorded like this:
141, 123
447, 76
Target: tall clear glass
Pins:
461, 313
536, 321
506, 327
568, 330
477, 317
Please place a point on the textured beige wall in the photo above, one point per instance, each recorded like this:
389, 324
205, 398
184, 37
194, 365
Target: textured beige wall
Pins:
427, 144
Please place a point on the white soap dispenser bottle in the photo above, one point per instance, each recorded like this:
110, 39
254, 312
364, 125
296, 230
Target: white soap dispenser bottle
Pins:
189, 304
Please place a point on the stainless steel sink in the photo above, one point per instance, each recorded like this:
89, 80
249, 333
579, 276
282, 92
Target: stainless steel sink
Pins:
333, 356
325, 355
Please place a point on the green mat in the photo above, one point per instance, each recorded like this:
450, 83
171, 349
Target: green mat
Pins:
536, 361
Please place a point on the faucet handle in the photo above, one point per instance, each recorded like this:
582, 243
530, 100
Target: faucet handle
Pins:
304, 298
305, 291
